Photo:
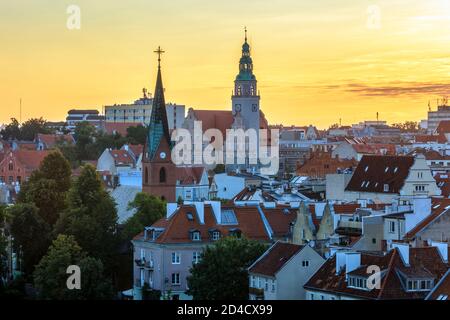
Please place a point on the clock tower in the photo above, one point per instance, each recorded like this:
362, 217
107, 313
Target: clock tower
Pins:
158, 170
245, 98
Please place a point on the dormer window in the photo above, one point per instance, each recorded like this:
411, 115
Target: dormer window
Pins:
195, 235
357, 283
386, 187
215, 235
189, 216
419, 285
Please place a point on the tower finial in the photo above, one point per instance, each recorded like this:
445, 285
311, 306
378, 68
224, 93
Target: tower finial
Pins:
245, 29
159, 51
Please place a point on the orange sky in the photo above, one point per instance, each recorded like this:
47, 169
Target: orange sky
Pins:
316, 61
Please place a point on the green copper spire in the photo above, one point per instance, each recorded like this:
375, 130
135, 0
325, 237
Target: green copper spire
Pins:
245, 63
158, 128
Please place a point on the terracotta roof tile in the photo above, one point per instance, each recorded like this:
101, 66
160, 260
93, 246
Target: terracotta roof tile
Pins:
275, 258
373, 172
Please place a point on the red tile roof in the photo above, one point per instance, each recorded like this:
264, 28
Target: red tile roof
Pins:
122, 157
439, 206
373, 172
275, 258
421, 260
31, 159
442, 289
50, 140
375, 149
280, 220
177, 228
137, 149
189, 175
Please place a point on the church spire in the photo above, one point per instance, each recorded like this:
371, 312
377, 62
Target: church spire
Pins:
158, 128
245, 63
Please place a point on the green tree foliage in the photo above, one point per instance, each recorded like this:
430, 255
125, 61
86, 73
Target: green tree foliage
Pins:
220, 168
11, 130
91, 216
407, 126
32, 127
148, 208
3, 242
85, 135
48, 186
31, 234
50, 276
224, 264
137, 134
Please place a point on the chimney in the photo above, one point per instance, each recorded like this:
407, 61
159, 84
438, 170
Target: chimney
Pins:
170, 209
340, 260
442, 248
352, 262
217, 210
200, 207
403, 248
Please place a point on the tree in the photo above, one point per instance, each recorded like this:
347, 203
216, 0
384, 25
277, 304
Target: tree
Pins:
91, 216
50, 277
48, 186
11, 130
3, 243
32, 127
149, 209
220, 168
224, 264
31, 234
137, 134
85, 134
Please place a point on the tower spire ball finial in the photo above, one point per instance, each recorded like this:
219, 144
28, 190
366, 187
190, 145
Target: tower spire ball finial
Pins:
159, 51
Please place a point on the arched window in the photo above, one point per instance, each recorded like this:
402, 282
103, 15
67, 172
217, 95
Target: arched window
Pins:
146, 175
162, 175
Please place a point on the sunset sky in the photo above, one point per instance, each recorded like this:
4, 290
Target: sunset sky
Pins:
315, 61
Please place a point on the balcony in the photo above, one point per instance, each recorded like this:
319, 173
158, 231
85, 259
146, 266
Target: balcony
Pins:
143, 263
349, 228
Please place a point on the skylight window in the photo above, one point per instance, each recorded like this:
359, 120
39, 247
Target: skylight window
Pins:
189, 216
396, 169
228, 217
366, 169
387, 169
363, 183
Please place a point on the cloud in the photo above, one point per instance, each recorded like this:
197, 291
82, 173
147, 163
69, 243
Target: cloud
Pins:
389, 89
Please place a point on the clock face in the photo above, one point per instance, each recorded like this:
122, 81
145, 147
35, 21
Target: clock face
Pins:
162, 155
254, 108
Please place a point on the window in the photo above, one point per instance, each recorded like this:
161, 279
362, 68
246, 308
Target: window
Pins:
10, 179
305, 263
162, 175
196, 236
146, 175
311, 296
196, 257
10, 166
420, 175
252, 281
273, 285
392, 226
259, 282
419, 285
176, 259
386, 187
374, 240
420, 188
266, 285
216, 235
189, 216
175, 278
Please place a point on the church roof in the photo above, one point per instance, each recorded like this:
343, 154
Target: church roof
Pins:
158, 128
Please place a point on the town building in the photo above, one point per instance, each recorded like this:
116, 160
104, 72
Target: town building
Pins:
75, 116
140, 111
321, 163
400, 273
435, 117
16, 166
385, 178
281, 272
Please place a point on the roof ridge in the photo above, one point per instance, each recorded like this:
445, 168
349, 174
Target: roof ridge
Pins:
390, 269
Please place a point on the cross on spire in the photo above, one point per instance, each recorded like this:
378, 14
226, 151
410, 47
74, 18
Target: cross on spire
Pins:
159, 51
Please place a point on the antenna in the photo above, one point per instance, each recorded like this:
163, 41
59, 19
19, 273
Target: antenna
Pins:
20, 110
377, 117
